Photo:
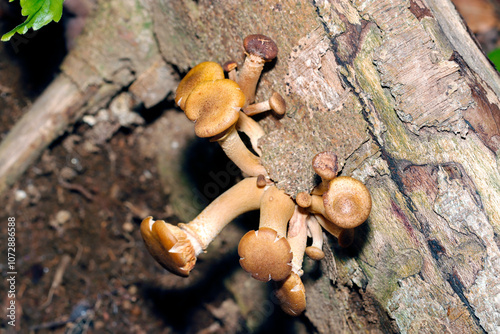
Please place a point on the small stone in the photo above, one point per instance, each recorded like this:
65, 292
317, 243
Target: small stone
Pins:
20, 195
62, 217
128, 227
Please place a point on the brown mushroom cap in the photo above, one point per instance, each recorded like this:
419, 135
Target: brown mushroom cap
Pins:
206, 71
303, 199
230, 65
347, 202
292, 295
261, 45
265, 255
169, 245
325, 165
277, 103
315, 253
214, 106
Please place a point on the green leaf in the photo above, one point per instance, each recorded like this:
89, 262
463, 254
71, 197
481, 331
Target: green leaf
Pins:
39, 13
494, 56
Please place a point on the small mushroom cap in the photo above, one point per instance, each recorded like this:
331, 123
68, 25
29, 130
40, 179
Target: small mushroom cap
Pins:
292, 295
325, 165
347, 202
229, 66
261, 46
214, 106
169, 246
303, 199
206, 71
265, 255
315, 253
277, 104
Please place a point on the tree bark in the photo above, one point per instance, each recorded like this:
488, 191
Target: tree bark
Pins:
400, 91
405, 98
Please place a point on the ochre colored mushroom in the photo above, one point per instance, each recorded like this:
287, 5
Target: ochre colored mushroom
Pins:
252, 129
176, 247
347, 202
345, 236
291, 294
325, 165
215, 106
206, 71
275, 103
265, 253
169, 246
259, 49
315, 251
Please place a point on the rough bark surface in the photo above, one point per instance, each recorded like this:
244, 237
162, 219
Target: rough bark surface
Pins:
397, 91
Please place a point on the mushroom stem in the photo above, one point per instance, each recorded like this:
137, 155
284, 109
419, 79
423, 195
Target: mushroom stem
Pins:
252, 129
315, 251
276, 210
317, 206
249, 76
236, 150
345, 236
242, 197
275, 103
297, 238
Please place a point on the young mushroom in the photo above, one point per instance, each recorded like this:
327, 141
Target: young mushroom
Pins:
265, 253
325, 165
347, 202
206, 71
275, 103
315, 251
230, 68
259, 49
177, 247
215, 106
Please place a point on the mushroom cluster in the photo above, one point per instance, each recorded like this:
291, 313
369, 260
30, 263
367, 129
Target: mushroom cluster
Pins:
219, 108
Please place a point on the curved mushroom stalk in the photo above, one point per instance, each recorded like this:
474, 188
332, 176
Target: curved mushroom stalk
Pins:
266, 253
259, 49
243, 197
325, 165
215, 106
345, 236
176, 247
315, 251
252, 129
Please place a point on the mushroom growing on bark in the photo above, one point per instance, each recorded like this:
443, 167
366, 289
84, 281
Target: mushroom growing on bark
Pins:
215, 106
176, 247
325, 165
259, 50
275, 103
315, 251
265, 253
206, 71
